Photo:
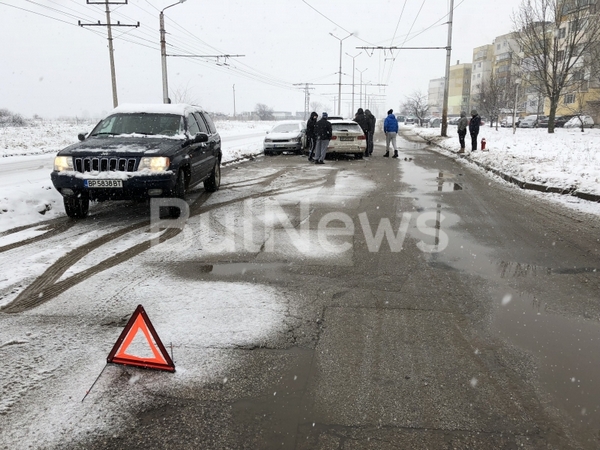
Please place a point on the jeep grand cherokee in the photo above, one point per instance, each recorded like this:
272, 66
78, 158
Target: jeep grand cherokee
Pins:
139, 152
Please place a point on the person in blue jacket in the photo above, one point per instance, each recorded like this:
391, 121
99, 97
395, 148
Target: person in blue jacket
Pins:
390, 128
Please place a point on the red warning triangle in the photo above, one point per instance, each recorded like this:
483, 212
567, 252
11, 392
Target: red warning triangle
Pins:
139, 321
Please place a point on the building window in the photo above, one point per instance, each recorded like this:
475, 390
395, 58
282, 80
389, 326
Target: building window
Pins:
569, 98
562, 33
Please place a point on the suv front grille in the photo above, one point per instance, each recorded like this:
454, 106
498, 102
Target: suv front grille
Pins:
90, 164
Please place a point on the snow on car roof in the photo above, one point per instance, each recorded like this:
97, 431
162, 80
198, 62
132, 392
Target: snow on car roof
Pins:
153, 108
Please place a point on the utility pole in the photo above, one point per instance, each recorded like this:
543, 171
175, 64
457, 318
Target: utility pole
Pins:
109, 26
234, 101
448, 49
353, 57
306, 97
360, 103
163, 52
447, 79
340, 72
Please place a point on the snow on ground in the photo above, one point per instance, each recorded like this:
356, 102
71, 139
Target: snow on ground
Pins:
567, 159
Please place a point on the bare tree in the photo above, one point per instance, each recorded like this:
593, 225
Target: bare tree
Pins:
184, 95
491, 99
316, 106
264, 112
416, 105
555, 36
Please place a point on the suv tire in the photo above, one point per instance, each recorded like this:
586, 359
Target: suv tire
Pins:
213, 182
77, 207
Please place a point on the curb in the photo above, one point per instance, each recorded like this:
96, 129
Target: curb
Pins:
522, 184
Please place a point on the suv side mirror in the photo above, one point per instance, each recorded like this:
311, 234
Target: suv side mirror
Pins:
200, 137
81, 136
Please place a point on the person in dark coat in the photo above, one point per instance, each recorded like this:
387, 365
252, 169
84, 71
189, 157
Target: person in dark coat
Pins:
474, 125
372, 120
324, 132
311, 136
462, 130
363, 122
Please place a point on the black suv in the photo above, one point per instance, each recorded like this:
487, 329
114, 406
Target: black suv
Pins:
139, 152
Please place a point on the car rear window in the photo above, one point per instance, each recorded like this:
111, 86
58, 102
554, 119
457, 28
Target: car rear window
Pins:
286, 128
346, 127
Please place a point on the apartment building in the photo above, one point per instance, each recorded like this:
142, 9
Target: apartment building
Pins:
435, 96
459, 88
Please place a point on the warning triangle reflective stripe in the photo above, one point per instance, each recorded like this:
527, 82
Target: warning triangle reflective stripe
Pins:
140, 321
140, 325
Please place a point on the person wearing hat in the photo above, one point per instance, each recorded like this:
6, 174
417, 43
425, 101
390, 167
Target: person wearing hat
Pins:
474, 125
324, 132
462, 130
390, 128
361, 119
311, 136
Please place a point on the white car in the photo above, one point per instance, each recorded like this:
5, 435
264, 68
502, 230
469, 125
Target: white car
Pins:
347, 138
286, 136
529, 122
575, 122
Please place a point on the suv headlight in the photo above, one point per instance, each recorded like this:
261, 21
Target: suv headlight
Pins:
62, 163
154, 164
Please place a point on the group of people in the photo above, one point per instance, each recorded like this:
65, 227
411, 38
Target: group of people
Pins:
473, 125
319, 133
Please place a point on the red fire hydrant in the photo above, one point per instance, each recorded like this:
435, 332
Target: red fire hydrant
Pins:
482, 143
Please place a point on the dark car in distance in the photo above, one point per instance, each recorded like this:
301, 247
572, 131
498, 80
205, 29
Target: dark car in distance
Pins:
139, 152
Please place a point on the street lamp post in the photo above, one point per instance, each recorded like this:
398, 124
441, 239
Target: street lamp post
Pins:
360, 103
514, 124
163, 52
353, 57
340, 78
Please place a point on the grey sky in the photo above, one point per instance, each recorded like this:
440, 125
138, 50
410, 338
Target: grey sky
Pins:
53, 67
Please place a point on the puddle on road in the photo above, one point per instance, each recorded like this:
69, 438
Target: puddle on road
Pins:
566, 348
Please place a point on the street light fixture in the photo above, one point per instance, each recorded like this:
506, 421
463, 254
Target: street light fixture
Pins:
360, 103
340, 79
163, 52
353, 57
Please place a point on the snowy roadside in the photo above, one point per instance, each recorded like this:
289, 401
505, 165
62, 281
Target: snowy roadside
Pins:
568, 159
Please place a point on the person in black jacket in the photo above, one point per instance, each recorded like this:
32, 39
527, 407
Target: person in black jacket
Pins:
372, 120
362, 120
324, 133
474, 125
311, 136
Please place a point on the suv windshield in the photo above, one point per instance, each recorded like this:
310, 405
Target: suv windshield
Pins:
140, 123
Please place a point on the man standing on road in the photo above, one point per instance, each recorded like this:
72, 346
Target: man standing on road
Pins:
474, 124
324, 132
371, 119
390, 128
311, 137
362, 120
462, 130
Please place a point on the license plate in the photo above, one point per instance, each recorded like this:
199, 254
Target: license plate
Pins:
103, 183
346, 138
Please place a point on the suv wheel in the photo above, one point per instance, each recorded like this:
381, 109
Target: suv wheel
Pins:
213, 182
178, 192
77, 207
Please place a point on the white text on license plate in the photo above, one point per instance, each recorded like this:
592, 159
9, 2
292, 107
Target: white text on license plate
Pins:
103, 183
346, 138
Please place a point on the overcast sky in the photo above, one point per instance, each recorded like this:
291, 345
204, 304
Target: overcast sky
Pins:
52, 67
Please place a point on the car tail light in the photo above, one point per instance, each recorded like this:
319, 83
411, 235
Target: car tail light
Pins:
333, 138
361, 138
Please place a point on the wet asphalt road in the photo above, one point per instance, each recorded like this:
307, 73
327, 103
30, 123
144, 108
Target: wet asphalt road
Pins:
481, 332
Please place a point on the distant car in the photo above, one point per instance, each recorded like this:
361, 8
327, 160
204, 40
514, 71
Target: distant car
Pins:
400, 118
410, 121
529, 121
560, 121
347, 138
543, 121
139, 152
286, 136
576, 122
335, 118
453, 120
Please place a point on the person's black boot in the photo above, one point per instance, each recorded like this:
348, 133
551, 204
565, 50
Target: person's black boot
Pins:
387, 154
395, 154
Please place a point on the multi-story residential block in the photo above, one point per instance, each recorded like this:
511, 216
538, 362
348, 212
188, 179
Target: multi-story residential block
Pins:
459, 88
435, 96
483, 59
